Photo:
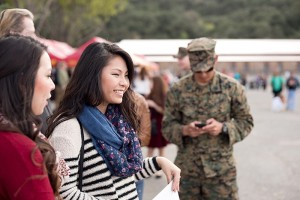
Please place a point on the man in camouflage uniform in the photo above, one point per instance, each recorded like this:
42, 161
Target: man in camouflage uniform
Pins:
205, 155
183, 62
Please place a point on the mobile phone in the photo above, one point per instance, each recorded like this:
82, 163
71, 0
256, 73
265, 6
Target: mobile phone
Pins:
201, 125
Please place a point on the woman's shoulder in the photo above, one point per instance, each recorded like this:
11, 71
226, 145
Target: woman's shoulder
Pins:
17, 145
16, 139
63, 128
66, 135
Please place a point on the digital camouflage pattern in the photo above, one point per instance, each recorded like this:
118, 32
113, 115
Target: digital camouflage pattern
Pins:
201, 53
202, 44
201, 60
219, 188
206, 157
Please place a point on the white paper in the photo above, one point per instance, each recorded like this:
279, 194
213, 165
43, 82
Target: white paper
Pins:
167, 193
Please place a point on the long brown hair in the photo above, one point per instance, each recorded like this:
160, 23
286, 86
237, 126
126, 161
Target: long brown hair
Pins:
158, 91
17, 80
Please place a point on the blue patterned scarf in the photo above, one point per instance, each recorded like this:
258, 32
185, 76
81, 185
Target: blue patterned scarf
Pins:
114, 139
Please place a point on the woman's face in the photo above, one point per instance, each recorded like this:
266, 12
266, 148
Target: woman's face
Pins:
114, 81
43, 85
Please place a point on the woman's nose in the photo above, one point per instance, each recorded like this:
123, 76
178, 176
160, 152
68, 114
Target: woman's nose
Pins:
52, 85
124, 81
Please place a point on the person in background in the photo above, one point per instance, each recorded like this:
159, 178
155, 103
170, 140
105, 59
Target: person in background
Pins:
183, 62
292, 83
244, 79
168, 77
63, 78
142, 81
156, 101
17, 20
98, 114
237, 76
29, 169
277, 84
143, 117
206, 113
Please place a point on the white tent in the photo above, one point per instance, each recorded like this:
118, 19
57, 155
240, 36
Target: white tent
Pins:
229, 50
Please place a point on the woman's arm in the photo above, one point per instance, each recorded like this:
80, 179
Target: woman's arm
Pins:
155, 106
153, 164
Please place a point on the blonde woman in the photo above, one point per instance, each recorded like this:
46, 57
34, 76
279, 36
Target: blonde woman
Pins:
17, 20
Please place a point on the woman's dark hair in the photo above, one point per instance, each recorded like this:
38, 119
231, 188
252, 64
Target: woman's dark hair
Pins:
85, 86
19, 62
158, 91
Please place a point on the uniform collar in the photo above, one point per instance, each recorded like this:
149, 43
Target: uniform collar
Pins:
214, 84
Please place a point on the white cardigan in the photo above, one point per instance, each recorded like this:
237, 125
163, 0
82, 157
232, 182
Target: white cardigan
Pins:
97, 181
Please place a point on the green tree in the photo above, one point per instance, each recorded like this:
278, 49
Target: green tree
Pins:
73, 21
174, 19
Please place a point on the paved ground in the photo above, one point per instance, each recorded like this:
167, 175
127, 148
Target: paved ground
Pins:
268, 161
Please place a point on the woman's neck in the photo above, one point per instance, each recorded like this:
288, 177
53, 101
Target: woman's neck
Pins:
102, 107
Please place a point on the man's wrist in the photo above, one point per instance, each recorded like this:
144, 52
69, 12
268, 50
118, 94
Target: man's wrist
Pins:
224, 130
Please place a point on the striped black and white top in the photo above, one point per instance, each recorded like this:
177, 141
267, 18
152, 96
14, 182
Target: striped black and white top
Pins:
97, 181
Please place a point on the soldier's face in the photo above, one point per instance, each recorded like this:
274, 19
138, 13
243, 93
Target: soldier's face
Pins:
204, 77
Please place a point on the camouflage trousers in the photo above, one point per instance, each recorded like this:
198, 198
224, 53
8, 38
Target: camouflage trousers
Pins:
214, 188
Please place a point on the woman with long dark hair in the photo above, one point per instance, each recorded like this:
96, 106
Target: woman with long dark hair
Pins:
95, 127
28, 167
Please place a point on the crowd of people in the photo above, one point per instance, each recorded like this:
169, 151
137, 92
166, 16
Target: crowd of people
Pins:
282, 84
75, 159
88, 145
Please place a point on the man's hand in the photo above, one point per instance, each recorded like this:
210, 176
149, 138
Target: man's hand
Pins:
213, 127
192, 130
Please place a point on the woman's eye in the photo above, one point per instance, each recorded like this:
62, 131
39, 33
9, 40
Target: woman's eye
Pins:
115, 74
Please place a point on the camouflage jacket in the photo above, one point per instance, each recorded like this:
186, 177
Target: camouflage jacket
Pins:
224, 100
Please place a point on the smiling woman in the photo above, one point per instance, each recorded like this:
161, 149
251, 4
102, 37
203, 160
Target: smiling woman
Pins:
115, 79
95, 128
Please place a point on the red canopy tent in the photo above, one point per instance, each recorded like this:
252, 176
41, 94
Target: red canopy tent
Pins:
57, 50
73, 58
